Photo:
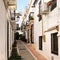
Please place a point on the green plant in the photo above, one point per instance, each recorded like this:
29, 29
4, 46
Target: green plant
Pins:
14, 55
31, 18
16, 36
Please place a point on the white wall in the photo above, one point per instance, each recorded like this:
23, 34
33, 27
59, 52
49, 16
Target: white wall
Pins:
3, 32
4, 17
11, 38
50, 20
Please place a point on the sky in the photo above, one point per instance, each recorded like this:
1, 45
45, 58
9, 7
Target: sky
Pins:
21, 4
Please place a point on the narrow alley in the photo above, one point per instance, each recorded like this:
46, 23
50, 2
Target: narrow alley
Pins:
29, 29
23, 52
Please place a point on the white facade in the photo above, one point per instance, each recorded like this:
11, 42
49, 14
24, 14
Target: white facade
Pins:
6, 33
3, 31
49, 20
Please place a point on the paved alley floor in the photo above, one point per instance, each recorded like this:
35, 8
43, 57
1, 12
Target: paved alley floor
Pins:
23, 51
37, 55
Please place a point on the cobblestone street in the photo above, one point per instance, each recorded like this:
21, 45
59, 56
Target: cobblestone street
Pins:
23, 52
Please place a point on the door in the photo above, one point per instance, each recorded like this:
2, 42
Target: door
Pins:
40, 42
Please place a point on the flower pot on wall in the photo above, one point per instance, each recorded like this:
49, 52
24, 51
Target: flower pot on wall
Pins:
49, 3
39, 15
31, 18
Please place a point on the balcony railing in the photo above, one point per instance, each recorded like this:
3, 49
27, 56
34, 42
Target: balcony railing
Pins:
12, 4
12, 15
31, 18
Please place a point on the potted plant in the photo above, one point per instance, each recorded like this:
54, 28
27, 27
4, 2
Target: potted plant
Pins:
39, 15
31, 18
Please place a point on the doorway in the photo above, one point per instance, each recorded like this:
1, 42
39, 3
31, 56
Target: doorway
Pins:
40, 42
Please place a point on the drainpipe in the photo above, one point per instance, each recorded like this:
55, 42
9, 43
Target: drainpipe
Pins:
42, 29
43, 36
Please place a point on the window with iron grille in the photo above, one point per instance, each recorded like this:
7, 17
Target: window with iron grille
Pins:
40, 42
54, 43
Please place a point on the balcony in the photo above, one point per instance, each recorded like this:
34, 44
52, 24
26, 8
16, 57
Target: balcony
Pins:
52, 4
44, 9
12, 14
31, 20
31, 17
11, 4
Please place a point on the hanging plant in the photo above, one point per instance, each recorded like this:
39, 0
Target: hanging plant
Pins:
31, 18
39, 15
49, 3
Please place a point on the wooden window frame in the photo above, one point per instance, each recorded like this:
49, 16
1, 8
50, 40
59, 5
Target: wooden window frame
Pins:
54, 43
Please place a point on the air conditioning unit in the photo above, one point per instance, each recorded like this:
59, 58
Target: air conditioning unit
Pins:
44, 9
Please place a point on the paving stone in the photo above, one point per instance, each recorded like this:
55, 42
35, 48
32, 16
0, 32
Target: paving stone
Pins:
23, 52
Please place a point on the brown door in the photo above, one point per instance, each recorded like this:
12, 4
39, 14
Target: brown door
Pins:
40, 42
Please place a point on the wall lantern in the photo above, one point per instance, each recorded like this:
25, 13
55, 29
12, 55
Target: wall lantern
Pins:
17, 16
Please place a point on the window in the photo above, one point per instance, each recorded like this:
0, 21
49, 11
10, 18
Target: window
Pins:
53, 4
40, 42
54, 43
31, 16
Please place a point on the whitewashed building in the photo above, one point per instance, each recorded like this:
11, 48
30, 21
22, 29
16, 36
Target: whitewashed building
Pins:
7, 27
46, 28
